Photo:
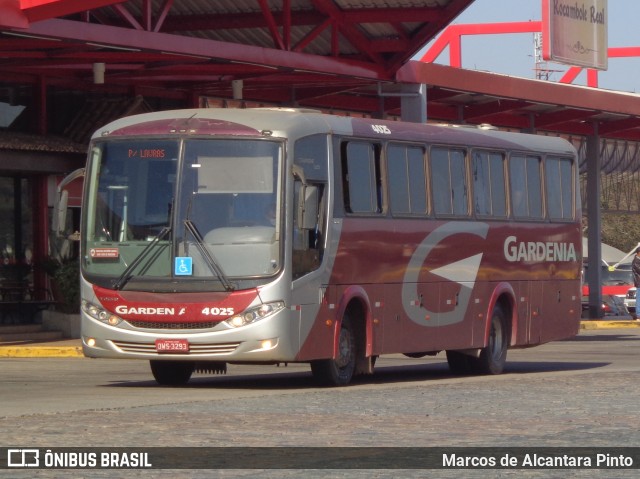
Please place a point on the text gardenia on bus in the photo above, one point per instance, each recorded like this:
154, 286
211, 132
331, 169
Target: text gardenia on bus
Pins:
537, 251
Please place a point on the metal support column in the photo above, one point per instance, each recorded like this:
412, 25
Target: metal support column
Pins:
414, 102
594, 272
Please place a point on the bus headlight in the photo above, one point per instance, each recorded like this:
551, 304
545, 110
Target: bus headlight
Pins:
96, 312
255, 314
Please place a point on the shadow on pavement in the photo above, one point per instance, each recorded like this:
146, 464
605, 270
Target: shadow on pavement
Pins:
382, 375
602, 337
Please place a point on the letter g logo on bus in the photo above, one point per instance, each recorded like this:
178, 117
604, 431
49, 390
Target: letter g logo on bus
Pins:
463, 272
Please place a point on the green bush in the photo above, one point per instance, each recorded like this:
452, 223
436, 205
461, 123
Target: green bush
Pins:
621, 231
65, 283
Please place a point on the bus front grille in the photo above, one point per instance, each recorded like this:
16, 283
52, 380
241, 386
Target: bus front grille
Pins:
158, 325
194, 349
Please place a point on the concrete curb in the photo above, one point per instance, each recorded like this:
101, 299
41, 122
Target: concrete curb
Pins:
75, 351
40, 351
598, 324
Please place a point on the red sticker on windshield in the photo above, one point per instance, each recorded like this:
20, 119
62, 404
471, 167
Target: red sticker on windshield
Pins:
104, 253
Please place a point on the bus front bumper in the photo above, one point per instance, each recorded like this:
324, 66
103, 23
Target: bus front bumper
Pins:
275, 339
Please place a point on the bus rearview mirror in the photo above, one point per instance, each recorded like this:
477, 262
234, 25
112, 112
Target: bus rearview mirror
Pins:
60, 213
59, 219
307, 208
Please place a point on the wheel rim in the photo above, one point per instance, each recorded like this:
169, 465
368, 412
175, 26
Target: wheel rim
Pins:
344, 349
496, 340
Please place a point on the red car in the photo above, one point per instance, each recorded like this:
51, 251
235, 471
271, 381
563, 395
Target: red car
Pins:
615, 286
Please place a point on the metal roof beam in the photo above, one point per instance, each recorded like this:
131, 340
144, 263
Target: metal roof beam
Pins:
347, 29
499, 106
128, 17
569, 115
392, 15
38, 10
230, 21
271, 24
619, 126
180, 45
428, 31
519, 88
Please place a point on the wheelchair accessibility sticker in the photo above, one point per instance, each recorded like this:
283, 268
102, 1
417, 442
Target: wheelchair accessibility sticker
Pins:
183, 266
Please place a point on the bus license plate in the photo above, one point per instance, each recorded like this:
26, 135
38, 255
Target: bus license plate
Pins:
172, 345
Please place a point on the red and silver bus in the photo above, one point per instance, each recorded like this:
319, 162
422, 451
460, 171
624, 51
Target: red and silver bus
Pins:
216, 236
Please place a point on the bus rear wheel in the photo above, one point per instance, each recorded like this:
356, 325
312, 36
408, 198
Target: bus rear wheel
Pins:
338, 371
494, 356
172, 373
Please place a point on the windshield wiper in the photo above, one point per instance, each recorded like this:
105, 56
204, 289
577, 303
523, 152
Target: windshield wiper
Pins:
211, 262
126, 274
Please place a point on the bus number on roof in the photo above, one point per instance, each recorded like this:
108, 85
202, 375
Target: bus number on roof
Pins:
382, 129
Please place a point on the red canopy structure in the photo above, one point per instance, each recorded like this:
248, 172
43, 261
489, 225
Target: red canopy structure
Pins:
343, 55
284, 51
325, 54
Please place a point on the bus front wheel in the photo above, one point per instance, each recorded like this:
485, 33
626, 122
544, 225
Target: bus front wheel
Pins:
338, 371
172, 373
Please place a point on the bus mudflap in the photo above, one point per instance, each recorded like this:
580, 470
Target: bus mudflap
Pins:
210, 367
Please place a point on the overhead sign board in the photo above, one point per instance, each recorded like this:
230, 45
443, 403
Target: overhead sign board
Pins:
575, 32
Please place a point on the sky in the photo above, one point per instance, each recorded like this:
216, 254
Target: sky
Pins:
514, 54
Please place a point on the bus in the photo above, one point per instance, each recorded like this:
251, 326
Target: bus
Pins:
273, 235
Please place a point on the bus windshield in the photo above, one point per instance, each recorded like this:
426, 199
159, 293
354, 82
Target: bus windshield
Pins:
196, 208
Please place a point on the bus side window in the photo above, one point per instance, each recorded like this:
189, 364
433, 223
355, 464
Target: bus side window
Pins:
525, 182
518, 187
361, 180
559, 188
407, 180
489, 198
534, 182
449, 181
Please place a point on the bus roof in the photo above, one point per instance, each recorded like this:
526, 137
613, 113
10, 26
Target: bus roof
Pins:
290, 122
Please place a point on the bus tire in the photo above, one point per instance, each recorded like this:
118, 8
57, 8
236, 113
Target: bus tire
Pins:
172, 373
338, 371
459, 363
494, 356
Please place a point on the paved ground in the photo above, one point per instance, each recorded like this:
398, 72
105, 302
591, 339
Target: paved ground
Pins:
580, 392
73, 347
